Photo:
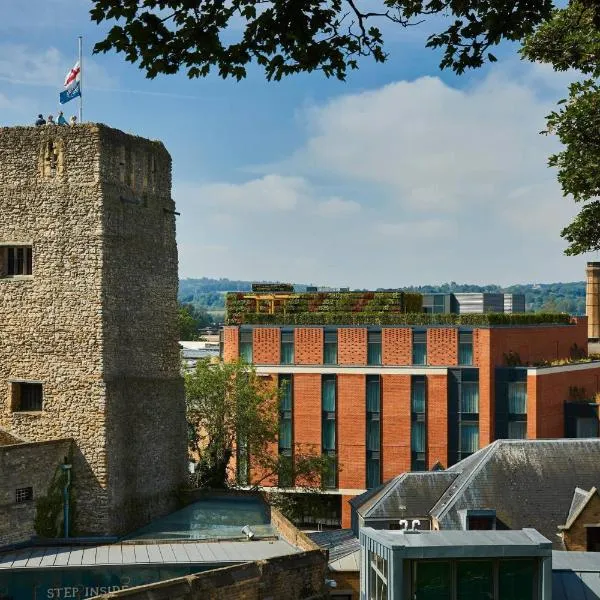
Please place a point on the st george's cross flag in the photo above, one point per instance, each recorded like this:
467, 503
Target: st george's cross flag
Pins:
72, 84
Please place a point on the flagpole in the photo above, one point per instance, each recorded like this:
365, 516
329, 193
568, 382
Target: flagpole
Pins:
80, 38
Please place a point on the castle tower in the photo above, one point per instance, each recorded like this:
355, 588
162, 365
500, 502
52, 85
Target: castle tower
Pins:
592, 300
88, 304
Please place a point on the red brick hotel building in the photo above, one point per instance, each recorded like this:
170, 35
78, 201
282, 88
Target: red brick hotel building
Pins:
384, 399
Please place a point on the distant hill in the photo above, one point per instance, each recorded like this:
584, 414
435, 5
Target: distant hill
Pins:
540, 297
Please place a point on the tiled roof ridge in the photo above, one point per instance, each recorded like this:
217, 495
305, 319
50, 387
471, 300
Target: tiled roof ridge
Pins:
486, 453
387, 491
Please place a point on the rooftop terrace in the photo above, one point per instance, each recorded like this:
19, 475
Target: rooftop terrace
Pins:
360, 308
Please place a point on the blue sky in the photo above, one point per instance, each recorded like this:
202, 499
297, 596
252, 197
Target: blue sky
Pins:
402, 175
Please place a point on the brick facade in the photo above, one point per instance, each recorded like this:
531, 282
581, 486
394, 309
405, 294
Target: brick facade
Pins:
442, 346
541, 343
308, 343
547, 394
351, 431
482, 358
437, 420
231, 343
266, 345
395, 425
307, 413
396, 346
352, 346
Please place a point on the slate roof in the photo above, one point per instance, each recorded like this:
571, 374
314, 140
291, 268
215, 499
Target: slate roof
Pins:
339, 542
575, 575
409, 495
529, 483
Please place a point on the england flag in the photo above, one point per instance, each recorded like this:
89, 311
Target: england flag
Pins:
72, 84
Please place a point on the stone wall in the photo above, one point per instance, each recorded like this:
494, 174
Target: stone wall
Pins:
293, 577
23, 466
95, 323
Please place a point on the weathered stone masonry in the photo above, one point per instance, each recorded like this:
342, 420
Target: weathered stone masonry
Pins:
95, 323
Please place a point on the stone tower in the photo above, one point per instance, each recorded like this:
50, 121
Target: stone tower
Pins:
592, 300
88, 304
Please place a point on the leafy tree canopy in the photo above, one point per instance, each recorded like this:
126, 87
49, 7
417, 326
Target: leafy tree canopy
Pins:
190, 319
292, 36
571, 40
228, 406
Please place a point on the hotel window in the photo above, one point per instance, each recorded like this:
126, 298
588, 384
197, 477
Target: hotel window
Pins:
465, 347
463, 413
26, 397
330, 347
16, 261
373, 431
517, 410
418, 429
419, 348
328, 422
469, 397
287, 347
286, 403
246, 345
469, 438
374, 347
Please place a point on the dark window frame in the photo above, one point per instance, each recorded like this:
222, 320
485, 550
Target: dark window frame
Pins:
373, 455
27, 396
16, 260
327, 415
330, 341
418, 457
24, 494
419, 339
286, 342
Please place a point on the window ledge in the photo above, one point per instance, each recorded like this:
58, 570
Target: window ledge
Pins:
16, 277
29, 413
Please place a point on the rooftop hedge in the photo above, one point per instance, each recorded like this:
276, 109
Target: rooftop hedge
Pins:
396, 318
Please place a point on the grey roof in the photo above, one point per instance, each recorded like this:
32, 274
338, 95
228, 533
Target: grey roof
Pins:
339, 542
456, 543
529, 483
350, 562
409, 495
207, 553
575, 575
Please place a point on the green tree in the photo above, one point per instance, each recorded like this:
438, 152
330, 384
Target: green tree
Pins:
292, 36
190, 319
571, 40
228, 404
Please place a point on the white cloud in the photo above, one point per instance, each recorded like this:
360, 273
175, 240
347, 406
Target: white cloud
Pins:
417, 230
21, 64
335, 207
271, 192
435, 183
